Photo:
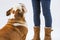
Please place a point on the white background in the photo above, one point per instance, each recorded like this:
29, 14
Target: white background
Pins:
55, 11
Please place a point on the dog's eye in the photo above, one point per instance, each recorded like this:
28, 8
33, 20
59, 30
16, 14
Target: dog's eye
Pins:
22, 6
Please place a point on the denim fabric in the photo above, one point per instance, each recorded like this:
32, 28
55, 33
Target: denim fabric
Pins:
46, 12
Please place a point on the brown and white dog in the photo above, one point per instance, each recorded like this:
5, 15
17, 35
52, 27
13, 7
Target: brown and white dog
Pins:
15, 29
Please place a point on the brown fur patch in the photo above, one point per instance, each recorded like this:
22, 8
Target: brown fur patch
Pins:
13, 33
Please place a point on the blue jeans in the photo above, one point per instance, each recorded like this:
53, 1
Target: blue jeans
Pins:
46, 12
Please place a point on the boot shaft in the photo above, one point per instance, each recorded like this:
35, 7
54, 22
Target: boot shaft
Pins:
47, 34
36, 30
36, 33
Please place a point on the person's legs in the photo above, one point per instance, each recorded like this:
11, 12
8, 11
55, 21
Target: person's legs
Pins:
46, 12
36, 11
48, 18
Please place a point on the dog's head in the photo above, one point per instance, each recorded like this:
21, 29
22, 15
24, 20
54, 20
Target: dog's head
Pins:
18, 10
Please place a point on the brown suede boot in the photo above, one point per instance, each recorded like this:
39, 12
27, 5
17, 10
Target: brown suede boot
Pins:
47, 33
36, 33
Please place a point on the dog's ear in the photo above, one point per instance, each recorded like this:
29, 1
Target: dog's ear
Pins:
24, 10
9, 12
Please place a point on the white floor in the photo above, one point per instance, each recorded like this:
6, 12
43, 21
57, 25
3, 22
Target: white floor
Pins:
55, 11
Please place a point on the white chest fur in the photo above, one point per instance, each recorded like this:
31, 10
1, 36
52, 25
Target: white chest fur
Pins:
18, 24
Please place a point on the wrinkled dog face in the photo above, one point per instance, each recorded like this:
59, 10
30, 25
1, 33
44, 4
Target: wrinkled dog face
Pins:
17, 11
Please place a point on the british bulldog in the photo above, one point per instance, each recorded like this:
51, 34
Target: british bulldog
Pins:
16, 28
